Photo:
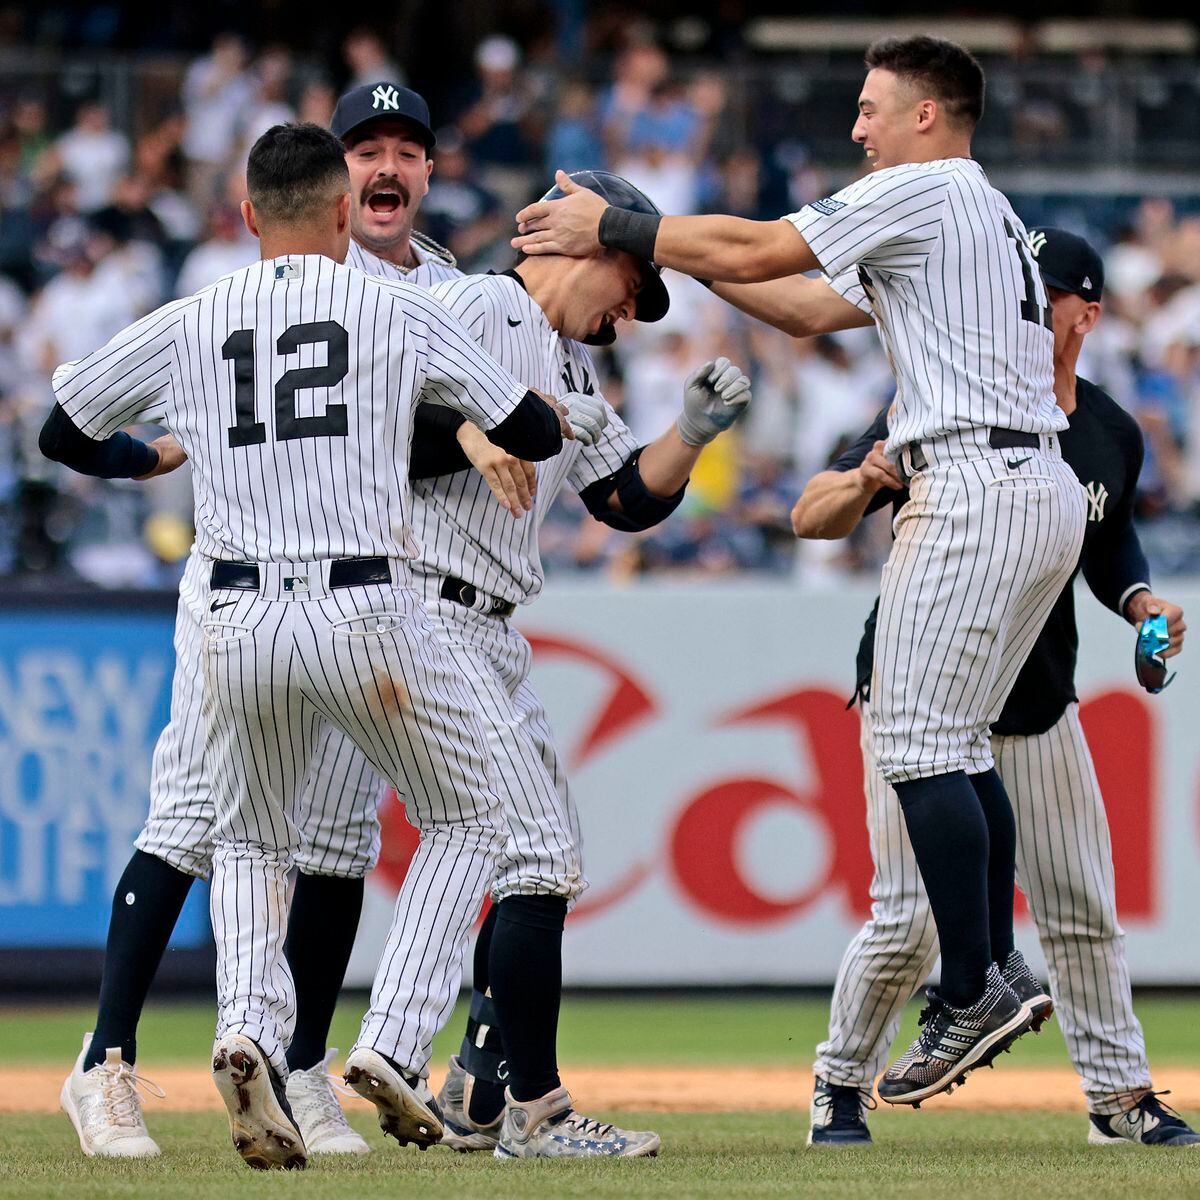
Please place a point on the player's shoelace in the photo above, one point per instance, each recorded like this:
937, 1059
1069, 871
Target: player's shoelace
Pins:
1151, 1106
587, 1126
319, 1098
845, 1103
121, 1102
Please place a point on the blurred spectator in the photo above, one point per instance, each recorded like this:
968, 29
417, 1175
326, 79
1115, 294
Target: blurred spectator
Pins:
229, 247
32, 132
217, 91
317, 103
457, 212
271, 75
499, 122
573, 141
92, 156
368, 61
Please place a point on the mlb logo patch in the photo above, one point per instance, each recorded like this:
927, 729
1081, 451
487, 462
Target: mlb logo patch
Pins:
828, 206
287, 271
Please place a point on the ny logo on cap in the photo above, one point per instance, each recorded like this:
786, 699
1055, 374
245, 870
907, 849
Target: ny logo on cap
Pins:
1037, 239
386, 97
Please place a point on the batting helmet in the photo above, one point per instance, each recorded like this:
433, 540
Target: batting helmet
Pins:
653, 300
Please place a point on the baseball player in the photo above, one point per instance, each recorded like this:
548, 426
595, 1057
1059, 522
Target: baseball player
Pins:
476, 565
1064, 857
936, 257
303, 515
388, 136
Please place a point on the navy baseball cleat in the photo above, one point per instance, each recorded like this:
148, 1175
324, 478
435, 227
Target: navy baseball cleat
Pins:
954, 1041
1029, 989
839, 1115
1149, 1122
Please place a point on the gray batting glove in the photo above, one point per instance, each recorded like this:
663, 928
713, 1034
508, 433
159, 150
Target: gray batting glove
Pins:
714, 396
587, 416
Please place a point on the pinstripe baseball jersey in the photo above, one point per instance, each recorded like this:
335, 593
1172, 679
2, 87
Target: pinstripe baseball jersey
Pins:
322, 472
943, 263
434, 264
461, 528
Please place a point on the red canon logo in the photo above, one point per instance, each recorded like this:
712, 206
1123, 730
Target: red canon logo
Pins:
701, 852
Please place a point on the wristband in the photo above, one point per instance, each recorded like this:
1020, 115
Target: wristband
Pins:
633, 232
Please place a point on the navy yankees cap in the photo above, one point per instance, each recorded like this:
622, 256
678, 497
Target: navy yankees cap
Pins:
1068, 262
381, 101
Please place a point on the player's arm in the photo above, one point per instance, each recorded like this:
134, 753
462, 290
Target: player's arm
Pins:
460, 375
710, 247
858, 482
1114, 563
445, 442
650, 483
798, 305
116, 385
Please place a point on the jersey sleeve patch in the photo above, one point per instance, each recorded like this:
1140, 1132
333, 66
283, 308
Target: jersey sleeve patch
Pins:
828, 206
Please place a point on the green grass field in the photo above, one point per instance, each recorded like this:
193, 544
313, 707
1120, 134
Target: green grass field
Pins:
927, 1154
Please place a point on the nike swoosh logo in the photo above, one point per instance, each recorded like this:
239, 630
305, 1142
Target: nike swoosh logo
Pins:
511, 323
1010, 463
220, 604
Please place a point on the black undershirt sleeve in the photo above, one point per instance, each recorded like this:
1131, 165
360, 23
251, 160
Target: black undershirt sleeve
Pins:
435, 448
117, 457
531, 431
1114, 561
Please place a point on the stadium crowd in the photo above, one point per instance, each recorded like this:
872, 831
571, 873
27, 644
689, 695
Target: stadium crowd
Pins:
98, 226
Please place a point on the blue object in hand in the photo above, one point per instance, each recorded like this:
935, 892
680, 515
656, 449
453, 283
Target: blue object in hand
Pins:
1148, 660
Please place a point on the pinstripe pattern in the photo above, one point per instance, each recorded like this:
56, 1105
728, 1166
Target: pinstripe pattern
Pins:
462, 530
365, 660
941, 261
303, 498
1064, 867
339, 826
430, 268
981, 554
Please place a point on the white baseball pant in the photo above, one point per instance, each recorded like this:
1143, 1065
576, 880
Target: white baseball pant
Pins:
280, 664
339, 824
541, 851
982, 552
1064, 867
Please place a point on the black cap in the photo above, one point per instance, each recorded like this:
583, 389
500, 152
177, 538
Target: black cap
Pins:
653, 300
1068, 262
378, 102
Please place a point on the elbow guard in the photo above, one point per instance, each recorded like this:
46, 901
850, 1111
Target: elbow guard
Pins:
640, 508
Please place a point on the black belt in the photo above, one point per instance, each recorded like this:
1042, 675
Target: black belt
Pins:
343, 572
998, 439
458, 591
1012, 439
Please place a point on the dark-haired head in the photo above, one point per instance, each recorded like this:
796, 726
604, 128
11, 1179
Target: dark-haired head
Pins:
942, 70
921, 100
299, 190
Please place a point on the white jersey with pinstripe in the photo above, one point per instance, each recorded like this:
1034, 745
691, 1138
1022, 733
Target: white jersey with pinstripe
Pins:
943, 263
339, 826
1065, 869
295, 652
463, 531
940, 260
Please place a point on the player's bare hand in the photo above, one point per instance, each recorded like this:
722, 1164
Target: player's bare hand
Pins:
568, 226
876, 472
1144, 605
170, 457
512, 480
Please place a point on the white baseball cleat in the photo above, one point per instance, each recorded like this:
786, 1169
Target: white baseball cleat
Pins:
260, 1119
105, 1108
406, 1107
551, 1128
312, 1093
